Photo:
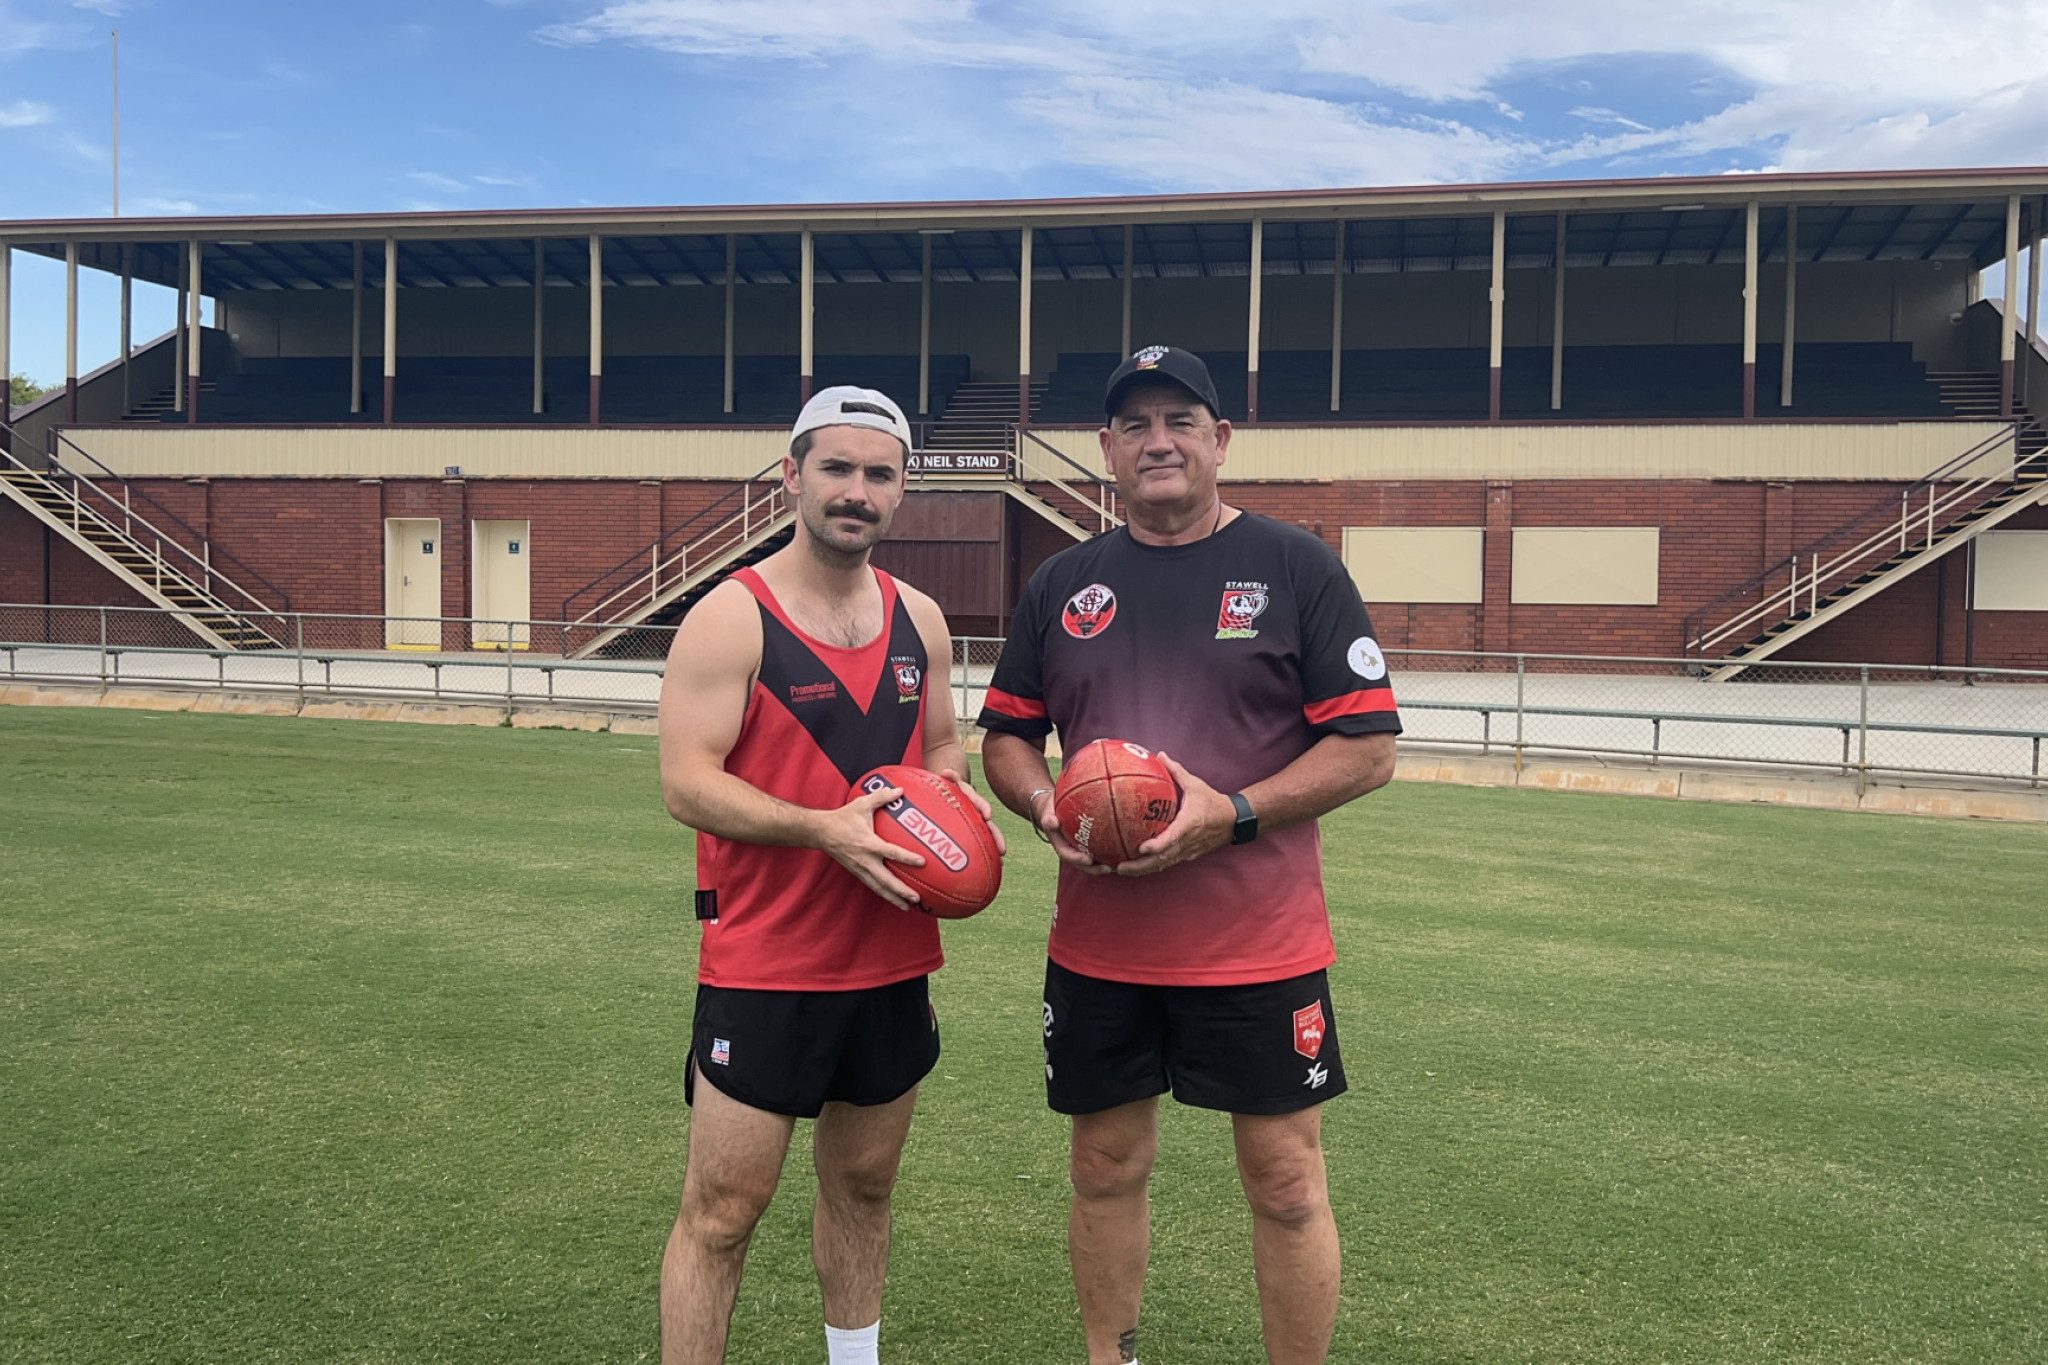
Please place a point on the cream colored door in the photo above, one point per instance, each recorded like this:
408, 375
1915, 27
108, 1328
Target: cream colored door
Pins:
412, 583
504, 595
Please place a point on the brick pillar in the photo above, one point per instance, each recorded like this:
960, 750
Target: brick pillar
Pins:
370, 498
455, 561
1496, 613
1777, 524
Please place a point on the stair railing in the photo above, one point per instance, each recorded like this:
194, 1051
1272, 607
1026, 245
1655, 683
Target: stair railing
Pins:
722, 528
88, 499
1889, 527
1063, 472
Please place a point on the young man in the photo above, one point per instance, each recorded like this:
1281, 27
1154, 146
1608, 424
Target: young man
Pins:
1238, 648
784, 685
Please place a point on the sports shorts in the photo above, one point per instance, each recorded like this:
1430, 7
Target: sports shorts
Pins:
788, 1052
1267, 1048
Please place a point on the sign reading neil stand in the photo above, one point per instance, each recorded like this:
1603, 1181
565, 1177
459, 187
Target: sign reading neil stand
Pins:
960, 462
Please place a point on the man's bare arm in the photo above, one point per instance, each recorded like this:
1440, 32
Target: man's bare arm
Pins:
943, 752
1016, 768
704, 692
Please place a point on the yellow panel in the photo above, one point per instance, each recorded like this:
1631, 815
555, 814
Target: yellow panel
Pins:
1417, 563
1595, 565
2011, 573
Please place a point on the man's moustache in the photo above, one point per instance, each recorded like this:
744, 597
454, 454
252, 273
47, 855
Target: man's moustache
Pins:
848, 509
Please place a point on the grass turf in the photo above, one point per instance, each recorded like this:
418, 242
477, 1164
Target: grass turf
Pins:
352, 1042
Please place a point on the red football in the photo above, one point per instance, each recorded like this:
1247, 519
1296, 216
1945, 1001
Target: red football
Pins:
962, 870
1112, 796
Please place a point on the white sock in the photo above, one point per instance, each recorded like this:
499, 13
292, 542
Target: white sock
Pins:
853, 1345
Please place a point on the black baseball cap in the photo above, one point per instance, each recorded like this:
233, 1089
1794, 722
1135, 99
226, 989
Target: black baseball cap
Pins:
1184, 368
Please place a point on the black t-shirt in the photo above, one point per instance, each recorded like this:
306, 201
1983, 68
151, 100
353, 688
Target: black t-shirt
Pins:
1234, 654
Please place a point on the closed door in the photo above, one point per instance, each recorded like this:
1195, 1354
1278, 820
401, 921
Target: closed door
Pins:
412, 583
503, 584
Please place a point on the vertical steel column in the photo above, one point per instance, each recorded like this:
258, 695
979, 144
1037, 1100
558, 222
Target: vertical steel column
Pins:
193, 347
1749, 238
596, 325
355, 329
924, 328
390, 330
1791, 303
1255, 305
1557, 319
2033, 292
6, 337
2010, 329
540, 327
1024, 327
1497, 300
71, 331
807, 273
178, 338
127, 321
732, 278
1130, 267
1337, 264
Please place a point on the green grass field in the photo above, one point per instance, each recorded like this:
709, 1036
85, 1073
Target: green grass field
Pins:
324, 1041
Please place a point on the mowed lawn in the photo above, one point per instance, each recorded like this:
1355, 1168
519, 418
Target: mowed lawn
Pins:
357, 1042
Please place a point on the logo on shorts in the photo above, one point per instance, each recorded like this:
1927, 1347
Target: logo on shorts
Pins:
1242, 603
1308, 1030
1317, 1074
721, 1051
908, 676
1089, 611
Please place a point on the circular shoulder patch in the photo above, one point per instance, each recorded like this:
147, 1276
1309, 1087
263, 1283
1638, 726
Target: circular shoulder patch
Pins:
1365, 658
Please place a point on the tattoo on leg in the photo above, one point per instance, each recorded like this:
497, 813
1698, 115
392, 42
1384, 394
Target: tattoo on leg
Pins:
1127, 1345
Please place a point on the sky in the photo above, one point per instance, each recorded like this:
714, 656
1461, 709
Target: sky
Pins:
256, 106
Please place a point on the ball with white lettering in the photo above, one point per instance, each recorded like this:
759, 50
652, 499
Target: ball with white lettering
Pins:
962, 870
1112, 796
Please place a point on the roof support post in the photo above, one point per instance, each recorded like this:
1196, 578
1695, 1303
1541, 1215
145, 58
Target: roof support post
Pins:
390, 330
6, 337
1557, 318
596, 326
732, 277
1024, 327
540, 327
1749, 268
924, 327
1254, 306
192, 343
2009, 330
1337, 322
2034, 290
71, 331
178, 337
355, 329
127, 320
1497, 297
1130, 266
807, 277
1791, 304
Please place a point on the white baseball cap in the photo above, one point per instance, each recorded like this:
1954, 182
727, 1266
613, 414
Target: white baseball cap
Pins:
845, 405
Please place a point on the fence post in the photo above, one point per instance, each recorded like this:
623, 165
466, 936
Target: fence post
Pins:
103, 646
1863, 731
1521, 677
508, 671
299, 634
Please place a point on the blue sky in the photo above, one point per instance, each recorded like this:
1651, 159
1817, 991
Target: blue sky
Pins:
233, 106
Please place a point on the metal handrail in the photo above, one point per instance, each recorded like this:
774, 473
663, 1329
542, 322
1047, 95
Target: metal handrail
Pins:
1938, 512
685, 527
1104, 503
712, 547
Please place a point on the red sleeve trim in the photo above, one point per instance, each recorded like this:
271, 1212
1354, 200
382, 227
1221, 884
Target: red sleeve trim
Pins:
1020, 708
1367, 702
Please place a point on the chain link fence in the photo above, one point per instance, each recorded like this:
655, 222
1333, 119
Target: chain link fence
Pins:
1970, 724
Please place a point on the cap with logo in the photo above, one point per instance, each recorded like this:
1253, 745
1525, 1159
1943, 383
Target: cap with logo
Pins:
1170, 363
845, 405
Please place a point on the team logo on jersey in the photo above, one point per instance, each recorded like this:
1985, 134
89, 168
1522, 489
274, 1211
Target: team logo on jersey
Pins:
908, 676
1149, 358
1308, 1030
1089, 612
1365, 658
1242, 604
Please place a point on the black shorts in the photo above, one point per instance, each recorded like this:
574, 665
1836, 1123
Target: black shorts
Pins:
1269, 1048
788, 1052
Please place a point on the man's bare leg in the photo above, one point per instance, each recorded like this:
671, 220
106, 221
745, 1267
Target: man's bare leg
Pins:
856, 1150
1294, 1234
1109, 1228
736, 1154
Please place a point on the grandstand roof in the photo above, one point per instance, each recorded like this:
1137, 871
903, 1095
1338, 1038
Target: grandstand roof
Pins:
1860, 216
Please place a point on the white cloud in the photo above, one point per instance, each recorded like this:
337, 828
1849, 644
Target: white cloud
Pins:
434, 180
152, 207
25, 114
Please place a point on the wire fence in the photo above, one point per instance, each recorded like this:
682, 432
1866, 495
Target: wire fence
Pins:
1972, 725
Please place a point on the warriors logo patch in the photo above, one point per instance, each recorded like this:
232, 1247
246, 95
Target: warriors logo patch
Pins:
1242, 604
1308, 1030
1150, 357
908, 676
1089, 612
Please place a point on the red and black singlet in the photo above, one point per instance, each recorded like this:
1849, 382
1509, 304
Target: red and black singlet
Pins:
820, 715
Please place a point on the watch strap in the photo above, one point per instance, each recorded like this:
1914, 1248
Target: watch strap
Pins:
1247, 827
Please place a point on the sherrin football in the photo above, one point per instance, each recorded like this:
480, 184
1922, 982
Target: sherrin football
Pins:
962, 870
1112, 796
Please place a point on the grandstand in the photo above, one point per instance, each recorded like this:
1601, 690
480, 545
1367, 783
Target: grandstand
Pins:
1643, 416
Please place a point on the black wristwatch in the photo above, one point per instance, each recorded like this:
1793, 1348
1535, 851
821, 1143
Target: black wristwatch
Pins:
1247, 827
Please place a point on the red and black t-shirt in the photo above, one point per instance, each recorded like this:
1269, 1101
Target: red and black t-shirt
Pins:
1234, 654
820, 716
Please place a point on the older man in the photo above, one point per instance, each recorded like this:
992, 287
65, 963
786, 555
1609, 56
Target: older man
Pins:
1238, 648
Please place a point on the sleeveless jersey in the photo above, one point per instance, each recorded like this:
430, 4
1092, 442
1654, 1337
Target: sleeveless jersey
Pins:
819, 717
